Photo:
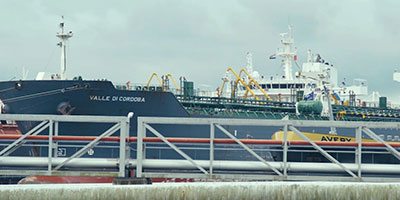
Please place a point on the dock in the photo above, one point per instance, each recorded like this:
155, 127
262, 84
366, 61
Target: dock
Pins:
206, 190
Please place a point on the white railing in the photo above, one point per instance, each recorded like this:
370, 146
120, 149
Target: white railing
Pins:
49, 124
280, 170
216, 134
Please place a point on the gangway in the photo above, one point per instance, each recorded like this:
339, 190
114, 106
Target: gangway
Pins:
212, 155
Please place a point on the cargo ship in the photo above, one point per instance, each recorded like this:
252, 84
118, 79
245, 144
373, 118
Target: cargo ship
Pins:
312, 94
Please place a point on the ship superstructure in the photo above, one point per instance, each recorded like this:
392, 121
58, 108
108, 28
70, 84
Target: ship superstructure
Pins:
315, 75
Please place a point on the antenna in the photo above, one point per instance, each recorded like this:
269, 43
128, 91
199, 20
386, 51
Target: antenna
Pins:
249, 63
64, 37
287, 52
24, 73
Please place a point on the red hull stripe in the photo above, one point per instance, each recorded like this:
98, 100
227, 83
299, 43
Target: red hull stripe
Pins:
197, 140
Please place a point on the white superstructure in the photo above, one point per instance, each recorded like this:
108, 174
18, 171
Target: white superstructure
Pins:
287, 53
315, 74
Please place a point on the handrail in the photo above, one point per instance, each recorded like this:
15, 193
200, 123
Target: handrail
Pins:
201, 140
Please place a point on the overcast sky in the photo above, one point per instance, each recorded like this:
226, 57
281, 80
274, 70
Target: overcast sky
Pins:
128, 40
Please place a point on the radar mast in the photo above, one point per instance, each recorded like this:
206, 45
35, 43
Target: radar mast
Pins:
287, 53
249, 65
64, 36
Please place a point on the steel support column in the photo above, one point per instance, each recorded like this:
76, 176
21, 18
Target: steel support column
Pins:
141, 130
56, 143
285, 150
50, 153
212, 136
122, 149
359, 150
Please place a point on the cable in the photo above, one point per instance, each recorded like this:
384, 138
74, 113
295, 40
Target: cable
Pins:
7, 89
41, 94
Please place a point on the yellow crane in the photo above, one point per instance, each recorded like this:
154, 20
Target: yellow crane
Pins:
248, 89
163, 83
255, 82
151, 77
173, 80
238, 79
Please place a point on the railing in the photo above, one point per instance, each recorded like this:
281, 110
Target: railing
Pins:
262, 168
200, 154
49, 125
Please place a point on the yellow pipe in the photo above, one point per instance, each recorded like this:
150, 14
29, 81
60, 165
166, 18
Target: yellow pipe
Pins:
262, 90
159, 80
219, 93
255, 82
169, 75
222, 87
243, 83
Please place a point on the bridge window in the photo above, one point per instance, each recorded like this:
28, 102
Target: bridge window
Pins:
299, 85
275, 86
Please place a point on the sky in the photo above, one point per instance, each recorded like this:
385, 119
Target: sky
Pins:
129, 40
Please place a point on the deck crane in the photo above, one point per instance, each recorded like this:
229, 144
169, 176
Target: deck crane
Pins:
173, 80
247, 86
163, 82
238, 79
253, 81
151, 77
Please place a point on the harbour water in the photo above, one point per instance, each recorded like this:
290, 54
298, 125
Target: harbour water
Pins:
206, 190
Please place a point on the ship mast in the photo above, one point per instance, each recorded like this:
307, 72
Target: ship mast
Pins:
64, 37
249, 65
287, 53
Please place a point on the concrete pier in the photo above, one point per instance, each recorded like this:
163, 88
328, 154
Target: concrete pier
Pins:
206, 190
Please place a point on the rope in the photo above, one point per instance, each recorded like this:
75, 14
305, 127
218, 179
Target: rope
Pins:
4, 90
41, 94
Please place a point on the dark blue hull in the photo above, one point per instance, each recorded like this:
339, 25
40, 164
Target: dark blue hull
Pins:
101, 98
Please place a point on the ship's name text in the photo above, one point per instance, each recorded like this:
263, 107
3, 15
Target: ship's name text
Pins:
335, 139
118, 98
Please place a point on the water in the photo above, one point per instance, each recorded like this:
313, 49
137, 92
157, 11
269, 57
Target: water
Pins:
209, 190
